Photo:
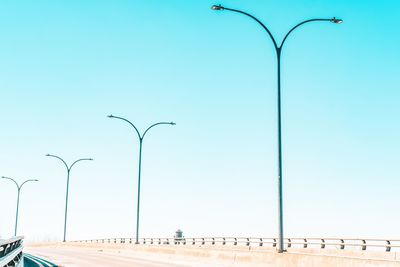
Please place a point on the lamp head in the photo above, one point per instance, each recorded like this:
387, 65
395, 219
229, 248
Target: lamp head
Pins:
172, 123
35, 180
336, 21
90, 159
47, 155
217, 7
110, 116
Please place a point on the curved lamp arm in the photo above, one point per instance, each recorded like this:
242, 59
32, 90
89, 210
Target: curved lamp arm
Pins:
219, 7
137, 131
155, 124
30, 180
78, 161
333, 20
54, 156
4, 177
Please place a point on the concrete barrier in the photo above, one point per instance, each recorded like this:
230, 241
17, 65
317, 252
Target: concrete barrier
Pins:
11, 251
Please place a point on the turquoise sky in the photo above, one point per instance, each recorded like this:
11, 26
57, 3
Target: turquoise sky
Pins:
65, 65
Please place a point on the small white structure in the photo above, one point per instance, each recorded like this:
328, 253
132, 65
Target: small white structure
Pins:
178, 236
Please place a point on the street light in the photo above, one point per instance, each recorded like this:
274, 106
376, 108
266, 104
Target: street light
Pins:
66, 197
19, 191
141, 136
278, 50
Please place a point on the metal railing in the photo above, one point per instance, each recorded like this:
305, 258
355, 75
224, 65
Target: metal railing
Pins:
11, 251
316, 243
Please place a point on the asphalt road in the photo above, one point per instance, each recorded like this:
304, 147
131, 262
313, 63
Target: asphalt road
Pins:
88, 257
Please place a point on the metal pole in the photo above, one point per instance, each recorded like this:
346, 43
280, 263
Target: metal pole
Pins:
66, 195
280, 197
66, 207
278, 50
138, 195
18, 196
16, 215
141, 137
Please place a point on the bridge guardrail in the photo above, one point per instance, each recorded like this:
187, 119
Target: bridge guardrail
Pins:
11, 251
314, 242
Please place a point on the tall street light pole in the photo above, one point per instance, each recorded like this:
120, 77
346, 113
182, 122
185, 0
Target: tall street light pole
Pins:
19, 191
141, 136
278, 49
66, 195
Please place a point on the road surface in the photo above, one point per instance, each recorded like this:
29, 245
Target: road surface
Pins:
96, 257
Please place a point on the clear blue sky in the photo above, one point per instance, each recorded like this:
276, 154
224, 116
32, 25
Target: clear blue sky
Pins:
65, 65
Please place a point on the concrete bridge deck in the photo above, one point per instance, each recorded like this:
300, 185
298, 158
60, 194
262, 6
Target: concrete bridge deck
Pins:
75, 256
78, 254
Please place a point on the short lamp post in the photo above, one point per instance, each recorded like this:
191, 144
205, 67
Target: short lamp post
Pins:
66, 195
141, 137
19, 191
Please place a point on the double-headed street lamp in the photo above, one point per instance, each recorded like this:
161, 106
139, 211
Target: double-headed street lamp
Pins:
278, 50
141, 136
19, 191
66, 196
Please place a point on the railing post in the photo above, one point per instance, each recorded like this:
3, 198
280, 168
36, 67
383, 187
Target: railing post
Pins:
261, 242
364, 246
342, 245
322, 243
305, 243
289, 243
388, 246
